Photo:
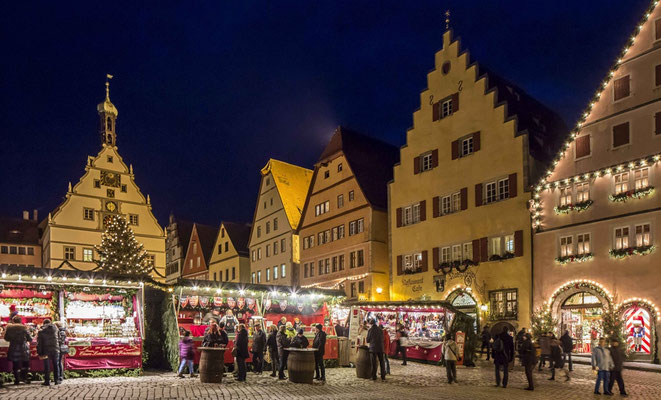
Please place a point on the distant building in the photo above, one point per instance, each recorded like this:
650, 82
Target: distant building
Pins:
274, 245
344, 227
597, 212
107, 188
230, 260
198, 252
176, 244
19, 241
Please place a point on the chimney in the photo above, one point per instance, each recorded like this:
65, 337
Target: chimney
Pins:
26, 215
35, 215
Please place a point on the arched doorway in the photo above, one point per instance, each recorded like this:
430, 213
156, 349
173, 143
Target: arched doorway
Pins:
466, 303
640, 328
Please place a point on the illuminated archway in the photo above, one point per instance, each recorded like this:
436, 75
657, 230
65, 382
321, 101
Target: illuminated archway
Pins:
640, 317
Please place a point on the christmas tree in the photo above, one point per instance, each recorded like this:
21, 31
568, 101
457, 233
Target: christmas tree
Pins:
613, 324
542, 321
120, 252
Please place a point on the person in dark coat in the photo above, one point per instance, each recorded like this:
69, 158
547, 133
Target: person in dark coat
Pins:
528, 359
567, 347
400, 337
64, 347
19, 349
300, 341
618, 356
215, 336
486, 341
557, 362
48, 350
519, 339
339, 329
258, 348
272, 345
241, 345
375, 343
503, 353
319, 343
186, 355
283, 342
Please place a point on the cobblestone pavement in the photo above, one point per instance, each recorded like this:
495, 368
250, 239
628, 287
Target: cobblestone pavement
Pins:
414, 381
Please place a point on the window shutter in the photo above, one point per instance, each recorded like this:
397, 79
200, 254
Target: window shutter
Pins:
657, 25
476, 141
423, 210
416, 165
582, 146
478, 195
484, 249
455, 149
518, 243
621, 88
455, 103
464, 198
512, 185
657, 123
621, 134
435, 207
476, 251
399, 217
658, 75
424, 266
435, 257
436, 111
399, 265
434, 158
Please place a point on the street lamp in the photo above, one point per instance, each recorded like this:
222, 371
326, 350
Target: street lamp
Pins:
379, 290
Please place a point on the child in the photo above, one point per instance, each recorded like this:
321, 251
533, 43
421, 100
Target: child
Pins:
186, 354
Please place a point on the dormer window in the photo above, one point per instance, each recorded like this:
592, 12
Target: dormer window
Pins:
326, 174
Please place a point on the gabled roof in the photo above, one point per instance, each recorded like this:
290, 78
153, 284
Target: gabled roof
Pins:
184, 229
207, 237
19, 231
239, 235
292, 183
370, 159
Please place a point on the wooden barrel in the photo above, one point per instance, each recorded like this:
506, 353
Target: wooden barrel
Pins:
300, 365
363, 363
212, 364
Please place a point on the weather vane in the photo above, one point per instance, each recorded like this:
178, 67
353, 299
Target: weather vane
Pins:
447, 19
108, 78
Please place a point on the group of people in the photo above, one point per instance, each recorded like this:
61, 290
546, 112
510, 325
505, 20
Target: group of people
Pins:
51, 348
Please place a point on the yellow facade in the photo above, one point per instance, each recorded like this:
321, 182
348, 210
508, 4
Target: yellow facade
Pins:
442, 206
227, 264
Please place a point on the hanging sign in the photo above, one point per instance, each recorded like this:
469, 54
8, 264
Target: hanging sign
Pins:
183, 301
283, 305
251, 303
204, 302
300, 307
315, 306
217, 301
231, 303
241, 302
193, 301
267, 305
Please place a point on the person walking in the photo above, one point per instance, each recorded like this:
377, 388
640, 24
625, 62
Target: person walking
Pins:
186, 355
48, 350
18, 353
567, 348
386, 348
450, 354
241, 346
503, 353
519, 339
375, 343
272, 345
557, 361
300, 341
528, 359
603, 363
258, 349
283, 343
400, 337
617, 353
486, 341
319, 343
545, 345
62, 343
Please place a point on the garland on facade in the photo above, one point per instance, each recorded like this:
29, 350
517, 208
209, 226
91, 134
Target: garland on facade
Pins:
498, 257
631, 251
120, 252
574, 258
461, 266
542, 321
631, 194
590, 285
578, 207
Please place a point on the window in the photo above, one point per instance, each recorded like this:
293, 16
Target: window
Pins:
621, 135
320, 238
340, 231
220, 248
641, 178
110, 158
254, 255
446, 254
426, 162
268, 227
582, 192
227, 276
259, 253
621, 182
657, 30
451, 203
491, 192
233, 273
360, 225
582, 148
13, 250
339, 167
468, 251
69, 253
21, 250
446, 108
352, 259
88, 254
621, 88
222, 233
503, 189
97, 184
361, 287
275, 224
509, 244
198, 262
321, 208
268, 251
643, 235
227, 246
340, 200
326, 174
4, 250
467, 146
252, 278
566, 246
271, 201
305, 270
88, 214
360, 258
411, 215
259, 276
283, 271
311, 269
341, 262
275, 272
504, 304
268, 274
496, 248
194, 248
353, 289
259, 231
283, 245
214, 276
123, 188
657, 75
327, 266
583, 243
356, 226
351, 197
334, 264
327, 236
133, 219
190, 264
456, 252
30, 251
275, 248
110, 193
334, 234
622, 238
268, 181
565, 196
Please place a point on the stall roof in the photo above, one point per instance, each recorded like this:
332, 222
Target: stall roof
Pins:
416, 305
35, 276
189, 286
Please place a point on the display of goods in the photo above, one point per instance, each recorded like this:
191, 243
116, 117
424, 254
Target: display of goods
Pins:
91, 310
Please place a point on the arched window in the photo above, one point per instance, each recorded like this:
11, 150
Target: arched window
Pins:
109, 124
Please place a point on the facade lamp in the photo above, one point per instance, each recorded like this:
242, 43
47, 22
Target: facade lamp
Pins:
379, 290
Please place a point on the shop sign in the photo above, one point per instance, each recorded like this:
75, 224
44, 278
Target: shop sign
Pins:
414, 284
461, 341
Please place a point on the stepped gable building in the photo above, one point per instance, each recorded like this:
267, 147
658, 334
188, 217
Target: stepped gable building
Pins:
274, 243
19, 241
176, 244
230, 261
344, 227
107, 188
459, 226
597, 213
199, 251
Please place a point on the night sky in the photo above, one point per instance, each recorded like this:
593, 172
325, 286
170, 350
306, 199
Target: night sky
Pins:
208, 91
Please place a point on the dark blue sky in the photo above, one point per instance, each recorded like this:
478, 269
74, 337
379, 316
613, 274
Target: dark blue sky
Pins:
207, 91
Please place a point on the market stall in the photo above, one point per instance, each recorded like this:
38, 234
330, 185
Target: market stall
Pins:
103, 317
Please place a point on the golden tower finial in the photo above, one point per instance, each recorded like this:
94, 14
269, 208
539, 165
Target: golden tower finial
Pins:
447, 19
108, 78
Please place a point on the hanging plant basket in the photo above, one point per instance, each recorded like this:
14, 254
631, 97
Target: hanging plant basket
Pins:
576, 258
631, 251
631, 194
578, 207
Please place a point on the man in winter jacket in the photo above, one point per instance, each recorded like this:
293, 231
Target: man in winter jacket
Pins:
528, 356
48, 350
283, 342
617, 353
319, 343
375, 343
567, 347
503, 353
450, 354
272, 345
300, 341
241, 345
486, 341
258, 348
603, 363
19, 349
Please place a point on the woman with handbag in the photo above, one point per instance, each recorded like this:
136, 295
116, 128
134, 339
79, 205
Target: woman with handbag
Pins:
450, 351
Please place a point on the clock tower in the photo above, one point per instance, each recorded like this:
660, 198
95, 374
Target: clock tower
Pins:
107, 118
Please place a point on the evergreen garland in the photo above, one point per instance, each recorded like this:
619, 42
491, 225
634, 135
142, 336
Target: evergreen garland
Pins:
120, 252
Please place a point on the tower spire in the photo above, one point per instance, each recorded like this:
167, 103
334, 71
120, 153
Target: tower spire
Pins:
107, 117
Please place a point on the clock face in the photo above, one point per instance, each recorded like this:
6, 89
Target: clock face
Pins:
111, 179
111, 206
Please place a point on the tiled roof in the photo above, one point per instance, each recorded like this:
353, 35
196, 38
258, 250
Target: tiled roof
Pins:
184, 229
207, 236
293, 183
239, 235
19, 231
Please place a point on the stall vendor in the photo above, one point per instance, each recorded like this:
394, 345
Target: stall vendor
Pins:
282, 322
213, 315
12, 312
230, 321
297, 324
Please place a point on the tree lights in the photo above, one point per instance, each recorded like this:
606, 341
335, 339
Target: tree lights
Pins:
120, 252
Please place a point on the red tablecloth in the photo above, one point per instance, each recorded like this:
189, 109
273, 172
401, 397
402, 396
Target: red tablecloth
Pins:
419, 353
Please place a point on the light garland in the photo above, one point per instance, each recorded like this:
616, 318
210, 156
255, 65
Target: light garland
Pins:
580, 283
338, 282
578, 207
574, 258
631, 251
543, 184
652, 307
631, 194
